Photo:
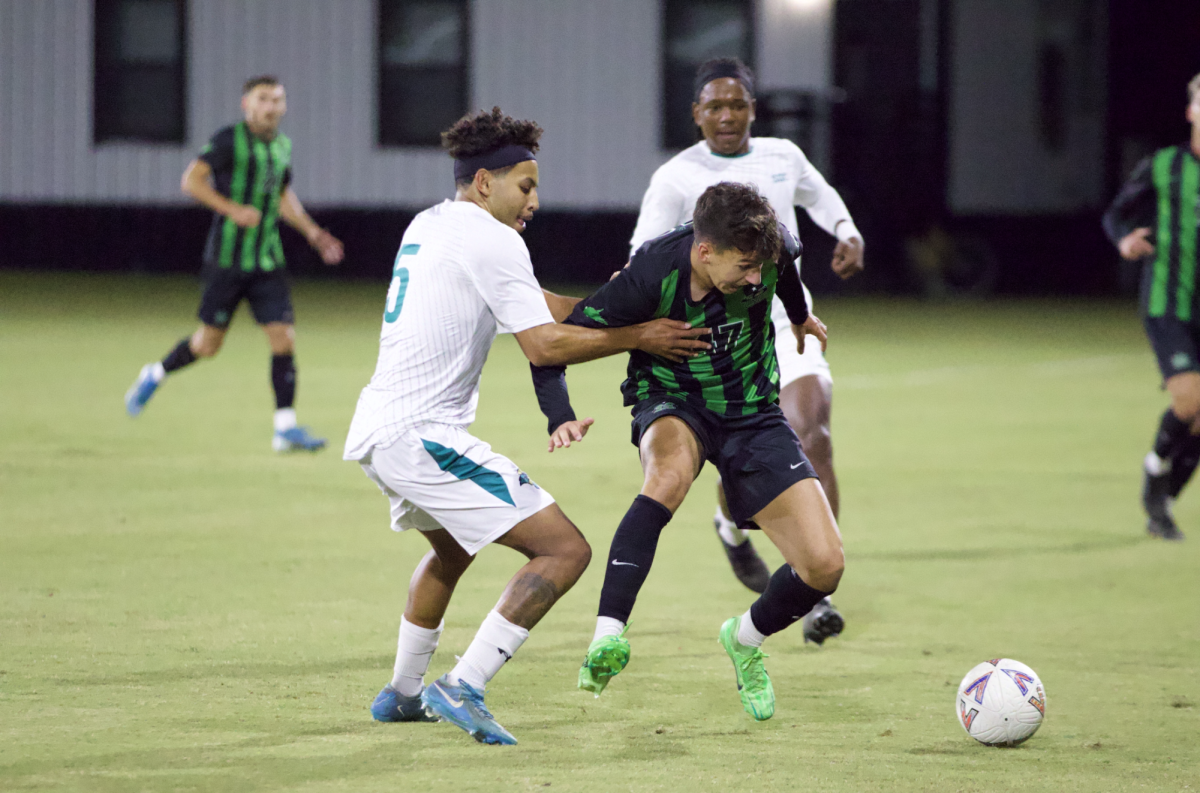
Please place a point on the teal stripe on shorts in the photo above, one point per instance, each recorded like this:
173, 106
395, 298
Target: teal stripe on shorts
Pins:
464, 468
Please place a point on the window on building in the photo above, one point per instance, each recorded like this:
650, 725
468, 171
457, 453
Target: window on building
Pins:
140, 55
423, 74
693, 32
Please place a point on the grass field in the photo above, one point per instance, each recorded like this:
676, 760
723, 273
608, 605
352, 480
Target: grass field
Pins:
181, 609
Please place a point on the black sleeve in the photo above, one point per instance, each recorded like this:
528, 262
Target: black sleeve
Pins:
287, 177
625, 300
550, 385
788, 286
1134, 207
218, 152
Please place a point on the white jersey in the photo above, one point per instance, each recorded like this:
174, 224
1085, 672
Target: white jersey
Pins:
460, 277
775, 166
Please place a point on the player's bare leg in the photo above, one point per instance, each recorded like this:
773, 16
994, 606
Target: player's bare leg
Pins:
807, 403
1174, 456
671, 458
558, 554
204, 343
801, 525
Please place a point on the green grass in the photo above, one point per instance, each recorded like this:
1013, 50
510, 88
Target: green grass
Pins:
180, 609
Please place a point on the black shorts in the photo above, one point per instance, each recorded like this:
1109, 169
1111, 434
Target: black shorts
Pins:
269, 296
1176, 345
758, 456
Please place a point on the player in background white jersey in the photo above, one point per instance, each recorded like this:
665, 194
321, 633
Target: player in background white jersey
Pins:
463, 274
723, 110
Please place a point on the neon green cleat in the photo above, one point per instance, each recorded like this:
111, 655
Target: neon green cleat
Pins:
753, 682
606, 657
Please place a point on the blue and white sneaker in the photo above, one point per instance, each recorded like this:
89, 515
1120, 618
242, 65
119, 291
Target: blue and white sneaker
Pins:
463, 705
391, 705
140, 392
297, 439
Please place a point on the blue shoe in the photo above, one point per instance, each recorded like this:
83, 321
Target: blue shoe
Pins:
391, 705
140, 392
463, 705
297, 439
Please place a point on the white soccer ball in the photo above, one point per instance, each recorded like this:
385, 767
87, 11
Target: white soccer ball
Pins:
1001, 702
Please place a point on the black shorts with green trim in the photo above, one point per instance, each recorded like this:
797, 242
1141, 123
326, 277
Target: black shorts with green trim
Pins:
269, 296
758, 456
1176, 345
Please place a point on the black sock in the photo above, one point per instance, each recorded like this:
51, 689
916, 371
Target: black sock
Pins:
179, 357
283, 380
1172, 433
785, 602
1187, 457
630, 556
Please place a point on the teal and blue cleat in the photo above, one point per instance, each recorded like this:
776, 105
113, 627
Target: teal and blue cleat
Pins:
297, 439
391, 705
463, 706
140, 392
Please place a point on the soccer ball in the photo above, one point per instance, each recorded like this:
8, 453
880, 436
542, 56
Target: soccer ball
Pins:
1001, 702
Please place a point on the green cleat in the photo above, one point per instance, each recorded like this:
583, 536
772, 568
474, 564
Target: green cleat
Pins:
606, 657
753, 682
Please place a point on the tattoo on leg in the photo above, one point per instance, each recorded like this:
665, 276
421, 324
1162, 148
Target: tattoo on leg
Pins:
528, 599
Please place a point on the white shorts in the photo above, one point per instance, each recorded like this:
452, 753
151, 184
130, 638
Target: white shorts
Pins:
441, 477
793, 365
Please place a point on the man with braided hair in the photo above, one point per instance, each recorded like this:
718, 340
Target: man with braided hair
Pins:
463, 274
250, 168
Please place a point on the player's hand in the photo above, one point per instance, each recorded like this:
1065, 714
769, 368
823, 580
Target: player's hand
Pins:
569, 431
848, 258
811, 327
671, 339
328, 246
1136, 245
245, 216
618, 272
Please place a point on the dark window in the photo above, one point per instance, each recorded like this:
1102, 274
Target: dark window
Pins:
423, 75
693, 32
140, 53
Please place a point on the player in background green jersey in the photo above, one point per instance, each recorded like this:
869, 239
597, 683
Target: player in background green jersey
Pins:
244, 176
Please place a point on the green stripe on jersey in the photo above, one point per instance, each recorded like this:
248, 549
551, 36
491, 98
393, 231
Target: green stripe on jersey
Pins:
250, 238
270, 225
669, 285
1189, 182
1162, 262
237, 192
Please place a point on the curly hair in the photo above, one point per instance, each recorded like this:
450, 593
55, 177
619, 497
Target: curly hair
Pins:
485, 132
731, 215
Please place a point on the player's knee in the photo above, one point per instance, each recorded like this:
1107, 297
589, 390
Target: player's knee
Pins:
1186, 406
667, 485
818, 444
824, 570
205, 346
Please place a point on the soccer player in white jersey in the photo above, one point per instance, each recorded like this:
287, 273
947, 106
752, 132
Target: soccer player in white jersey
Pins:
723, 110
463, 274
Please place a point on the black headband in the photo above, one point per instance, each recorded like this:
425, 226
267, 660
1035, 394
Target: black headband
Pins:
502, 157
718, 70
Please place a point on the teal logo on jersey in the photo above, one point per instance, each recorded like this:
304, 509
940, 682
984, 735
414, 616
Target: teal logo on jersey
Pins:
779, 177
1180, 360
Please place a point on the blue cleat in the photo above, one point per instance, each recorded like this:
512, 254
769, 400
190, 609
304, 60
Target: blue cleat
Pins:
391, 705
140, 392
297, 439
463, 705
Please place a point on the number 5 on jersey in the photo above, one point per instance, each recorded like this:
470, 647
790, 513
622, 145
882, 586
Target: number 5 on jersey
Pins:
399, 285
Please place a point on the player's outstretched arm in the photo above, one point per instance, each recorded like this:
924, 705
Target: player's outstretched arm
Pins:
561, 344
196, 183
293, 213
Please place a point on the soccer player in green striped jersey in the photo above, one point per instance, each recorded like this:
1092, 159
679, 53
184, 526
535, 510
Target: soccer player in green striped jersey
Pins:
719, 272
1154, 220
244, 176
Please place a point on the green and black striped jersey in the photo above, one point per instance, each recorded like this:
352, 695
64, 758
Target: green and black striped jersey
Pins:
1162, 195
253, 171
740, 374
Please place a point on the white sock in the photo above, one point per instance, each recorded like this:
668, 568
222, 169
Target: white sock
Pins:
730, 534
747, 634
608, 626
496, 642
413, 652
158, 372
285, 419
